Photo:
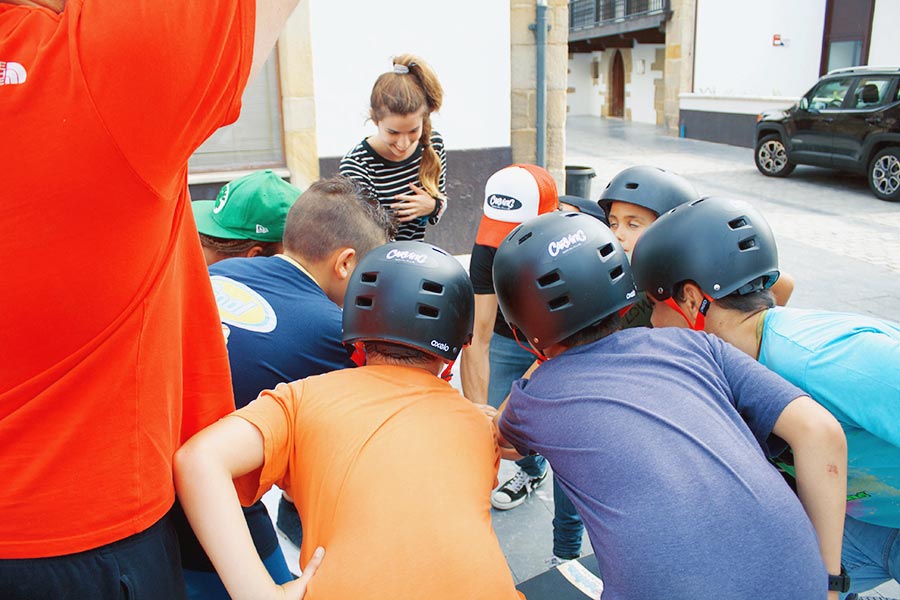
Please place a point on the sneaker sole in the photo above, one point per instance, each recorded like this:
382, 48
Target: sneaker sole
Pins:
508, 505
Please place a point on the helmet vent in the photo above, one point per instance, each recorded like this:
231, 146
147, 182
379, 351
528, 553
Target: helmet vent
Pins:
433, 287
738, 223
748, 244
548, 279
616, 273
364, 302
525, 237
429, 312
559, 302
370, 277
631, 185
606, 250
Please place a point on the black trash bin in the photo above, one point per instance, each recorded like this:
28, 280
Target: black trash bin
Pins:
578, 181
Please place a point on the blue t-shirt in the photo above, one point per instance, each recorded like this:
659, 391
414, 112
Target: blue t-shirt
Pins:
279, 325
850, 364
659, 437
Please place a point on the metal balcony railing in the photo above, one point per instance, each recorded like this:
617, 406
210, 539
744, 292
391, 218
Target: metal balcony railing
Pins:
584, 14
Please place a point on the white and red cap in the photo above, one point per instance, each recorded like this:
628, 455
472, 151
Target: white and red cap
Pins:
512, 196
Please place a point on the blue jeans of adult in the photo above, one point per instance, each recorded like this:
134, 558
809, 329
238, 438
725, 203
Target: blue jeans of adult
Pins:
508, 362
205, 585
871, 554
143, 565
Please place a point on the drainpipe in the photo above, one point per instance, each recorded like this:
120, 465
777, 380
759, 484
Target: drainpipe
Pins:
540, 28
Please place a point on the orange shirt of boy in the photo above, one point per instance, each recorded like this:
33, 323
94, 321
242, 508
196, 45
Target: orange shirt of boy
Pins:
391, 470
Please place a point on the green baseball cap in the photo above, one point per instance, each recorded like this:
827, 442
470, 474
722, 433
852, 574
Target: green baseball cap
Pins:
252, 207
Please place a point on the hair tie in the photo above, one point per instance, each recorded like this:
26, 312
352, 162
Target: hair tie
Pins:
401, 69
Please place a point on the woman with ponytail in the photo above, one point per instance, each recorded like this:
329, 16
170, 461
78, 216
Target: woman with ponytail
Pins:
404, 164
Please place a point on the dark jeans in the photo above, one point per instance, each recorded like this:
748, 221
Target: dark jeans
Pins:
144, 566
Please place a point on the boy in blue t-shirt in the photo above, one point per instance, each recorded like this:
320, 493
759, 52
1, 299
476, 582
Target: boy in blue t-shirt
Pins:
660, 437
281, 317
708, 266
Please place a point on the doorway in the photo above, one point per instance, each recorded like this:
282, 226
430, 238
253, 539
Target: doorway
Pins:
617, 87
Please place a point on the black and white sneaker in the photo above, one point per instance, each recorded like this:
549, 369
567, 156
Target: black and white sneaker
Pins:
513, 493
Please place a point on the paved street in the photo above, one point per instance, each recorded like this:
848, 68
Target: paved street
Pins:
841, 244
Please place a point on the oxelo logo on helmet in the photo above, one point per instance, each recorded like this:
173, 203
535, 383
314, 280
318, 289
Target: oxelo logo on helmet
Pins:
440, 345
567, 242
501, 202
407, 256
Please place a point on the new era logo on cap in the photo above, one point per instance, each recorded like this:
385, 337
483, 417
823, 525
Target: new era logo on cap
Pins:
261, 228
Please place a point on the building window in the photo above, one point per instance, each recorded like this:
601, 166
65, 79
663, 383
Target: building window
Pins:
848, 30
255, 140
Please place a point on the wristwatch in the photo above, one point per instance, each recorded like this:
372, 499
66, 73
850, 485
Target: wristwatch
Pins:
839, 583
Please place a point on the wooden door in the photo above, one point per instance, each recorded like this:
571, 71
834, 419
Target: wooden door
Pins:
617, 87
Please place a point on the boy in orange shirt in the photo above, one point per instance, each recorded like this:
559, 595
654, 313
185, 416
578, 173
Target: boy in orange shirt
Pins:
351, 447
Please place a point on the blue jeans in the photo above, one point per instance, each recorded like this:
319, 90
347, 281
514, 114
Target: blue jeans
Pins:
871, 554
207, 585
509, 361
145, 565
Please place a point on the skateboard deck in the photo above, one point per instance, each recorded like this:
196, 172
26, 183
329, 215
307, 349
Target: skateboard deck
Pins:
572, 580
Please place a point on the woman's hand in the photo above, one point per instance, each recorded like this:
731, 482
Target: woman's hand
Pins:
413, 206
296, 589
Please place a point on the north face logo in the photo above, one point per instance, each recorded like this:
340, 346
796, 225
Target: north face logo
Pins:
12, 73
501, 202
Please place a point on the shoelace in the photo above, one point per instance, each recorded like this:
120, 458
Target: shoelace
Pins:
518, 482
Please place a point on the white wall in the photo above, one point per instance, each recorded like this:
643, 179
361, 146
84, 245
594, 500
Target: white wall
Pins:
579, 99
640, 93
735, 56
884, 49
467, 42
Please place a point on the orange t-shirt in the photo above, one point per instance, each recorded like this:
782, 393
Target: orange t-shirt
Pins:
111, 352
391, 470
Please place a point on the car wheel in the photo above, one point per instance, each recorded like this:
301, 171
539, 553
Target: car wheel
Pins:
884, 174
772, 158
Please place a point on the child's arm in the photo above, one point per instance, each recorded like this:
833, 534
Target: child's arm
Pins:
782, 289
204, 469
820, 460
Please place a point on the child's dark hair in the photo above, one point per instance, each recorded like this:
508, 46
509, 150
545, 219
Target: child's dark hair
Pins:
335, 213
745, 303
403, 93
607, 325
233, 248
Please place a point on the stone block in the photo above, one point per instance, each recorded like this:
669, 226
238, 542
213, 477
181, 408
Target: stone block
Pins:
302, 157
299, 114
524, 145
523, 109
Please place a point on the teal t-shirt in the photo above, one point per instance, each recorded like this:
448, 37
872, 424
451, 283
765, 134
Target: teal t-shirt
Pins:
850, 364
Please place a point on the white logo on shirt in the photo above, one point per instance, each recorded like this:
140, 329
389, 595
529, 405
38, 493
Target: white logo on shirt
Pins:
242, 307
12, 73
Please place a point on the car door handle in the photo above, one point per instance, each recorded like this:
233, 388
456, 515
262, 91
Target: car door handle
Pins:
828, 119
873, 120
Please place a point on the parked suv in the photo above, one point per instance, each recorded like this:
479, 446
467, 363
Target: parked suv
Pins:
850, 120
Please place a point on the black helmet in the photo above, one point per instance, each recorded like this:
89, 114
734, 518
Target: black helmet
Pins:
723, 245
651, 187
558, 273
413, 294
588, 207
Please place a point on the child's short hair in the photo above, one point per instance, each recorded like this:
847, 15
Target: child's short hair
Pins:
335, 213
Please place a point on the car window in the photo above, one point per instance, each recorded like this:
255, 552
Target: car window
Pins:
829, 94
871, 92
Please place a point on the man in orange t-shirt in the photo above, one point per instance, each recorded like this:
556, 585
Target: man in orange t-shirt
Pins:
111, 351
352, 445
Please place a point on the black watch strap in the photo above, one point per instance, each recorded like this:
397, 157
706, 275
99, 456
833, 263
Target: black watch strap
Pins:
839, 583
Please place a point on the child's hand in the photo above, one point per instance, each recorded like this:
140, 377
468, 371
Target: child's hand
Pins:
296, 590
486, 409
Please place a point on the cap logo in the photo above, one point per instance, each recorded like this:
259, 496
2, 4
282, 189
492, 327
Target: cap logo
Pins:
222, 198
261, 228
566, 243
407, 256
501, 202
440, 345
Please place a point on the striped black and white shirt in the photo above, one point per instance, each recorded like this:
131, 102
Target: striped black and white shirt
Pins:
385, 179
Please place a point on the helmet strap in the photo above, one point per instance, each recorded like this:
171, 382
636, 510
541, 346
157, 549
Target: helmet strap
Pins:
541, 358
359, 354
447, 375
700, 320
